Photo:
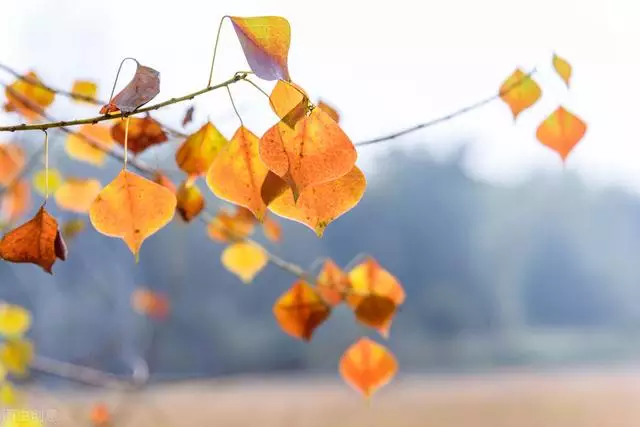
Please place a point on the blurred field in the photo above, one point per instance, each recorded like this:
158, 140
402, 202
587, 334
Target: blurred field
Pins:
609, 399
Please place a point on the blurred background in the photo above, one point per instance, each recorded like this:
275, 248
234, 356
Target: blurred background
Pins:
521, 275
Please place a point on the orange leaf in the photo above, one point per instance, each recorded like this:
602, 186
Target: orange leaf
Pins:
100, 415
332, 283
319, 205
289, 101
237, 173
271, 229
227, 228
143, 133
329, 110
90, 144
16, 201
77, 195
37, 241
374, 295
150, 303
272, 187
300, 311
265, 41
161, 179
244, 259
200, 149
27, 97
314, 152
561, 131
144, 86
12, 160
190, 200
563, 68
367, 366
132, 208
520, 92
86, 89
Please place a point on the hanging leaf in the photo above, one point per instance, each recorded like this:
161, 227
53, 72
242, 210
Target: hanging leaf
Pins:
244, 259
149, 303
332, 283
132, 208
90, 144
15, 202
86, 90
28, 97
519, 92
374, 295
37, 241
314, 152
226, 228
77, 194
143, 133
237, 173
271, 229
300, 311
40, 181
563, 68
265, 41
188, 116
12, 161
289, 101
16, 355
14, 320
329, 110
368, 366
190, 200
71, 228
320, 205
144, 86
561, 131
200, 149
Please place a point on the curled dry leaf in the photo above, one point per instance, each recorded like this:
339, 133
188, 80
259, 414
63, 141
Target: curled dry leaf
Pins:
519, 92
90, 144
244, 259
561, 131
144, 86
314, 152
143, 133
37, 241
190, 200
28, 97
12, 161
188, 116
289, 101
237, 173
15, 202
319, 205
199, 150
77, 194
329, 110
332, 283
132, 208
300, 311
265, 42
563, 68
367, 366
85, 91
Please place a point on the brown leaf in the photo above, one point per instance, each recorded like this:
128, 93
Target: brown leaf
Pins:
188, 116
143, 133
144, 86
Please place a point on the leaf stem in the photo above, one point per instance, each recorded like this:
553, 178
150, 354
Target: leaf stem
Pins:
233, 104
215, 50
46, 165
126, 142
113, 89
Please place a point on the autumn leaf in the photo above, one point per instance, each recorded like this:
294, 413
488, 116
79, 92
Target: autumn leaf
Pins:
374, 294
16, 355
12, 160
367, 366
329, 110
28, 97
160, 178
144, 86
272, 187
132, 208
200, 149
14, 320
237, 173
319, 205
563, 68
37, 241
8, 395
265, 41
519, 92
90, 144
190, 201
149, 303
41, 177
188, 116
77, 194
143, 133
225, 227
85, 91
300, 311
314, 152
289, 102
15, 202
561, 131
71, 228
271, 229
244, 259
332, 283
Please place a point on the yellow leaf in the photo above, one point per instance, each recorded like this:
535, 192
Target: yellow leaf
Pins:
200, 149
27, 97
40, 181
563, 68
132, 208
244, 259
90, 144
86, 89
16, 355
14, 320
519, 92
77, 195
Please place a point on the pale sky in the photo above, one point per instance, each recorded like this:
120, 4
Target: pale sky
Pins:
384, 65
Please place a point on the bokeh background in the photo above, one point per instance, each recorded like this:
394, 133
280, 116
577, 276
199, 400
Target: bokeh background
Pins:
522, 276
